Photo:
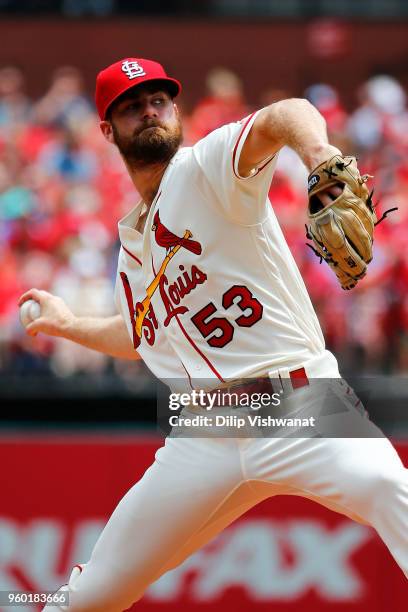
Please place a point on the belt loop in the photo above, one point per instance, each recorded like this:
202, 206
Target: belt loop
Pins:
288, 380
280, 380
274, 378
285, 380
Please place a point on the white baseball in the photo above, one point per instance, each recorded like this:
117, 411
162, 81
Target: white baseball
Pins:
29, 311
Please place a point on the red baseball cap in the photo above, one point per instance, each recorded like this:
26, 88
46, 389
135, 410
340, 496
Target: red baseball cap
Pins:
125, 74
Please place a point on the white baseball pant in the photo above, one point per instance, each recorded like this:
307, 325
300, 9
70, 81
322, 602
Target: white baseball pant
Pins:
198, 486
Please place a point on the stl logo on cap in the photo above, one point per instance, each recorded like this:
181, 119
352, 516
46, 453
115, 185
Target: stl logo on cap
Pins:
132, 69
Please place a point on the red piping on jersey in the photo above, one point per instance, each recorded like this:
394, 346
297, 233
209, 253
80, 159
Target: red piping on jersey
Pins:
237, 143
131, 255
154, 206
195, 347
186, 371
265, 164
236, 147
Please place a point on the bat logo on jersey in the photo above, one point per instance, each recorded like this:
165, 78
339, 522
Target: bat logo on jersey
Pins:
142, 315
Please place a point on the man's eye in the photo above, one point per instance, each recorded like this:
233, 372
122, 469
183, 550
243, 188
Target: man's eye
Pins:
128, 107
158, 101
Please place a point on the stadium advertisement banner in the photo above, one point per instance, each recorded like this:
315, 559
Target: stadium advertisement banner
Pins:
285, 554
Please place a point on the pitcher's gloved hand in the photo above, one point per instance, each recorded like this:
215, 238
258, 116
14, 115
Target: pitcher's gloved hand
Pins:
341, 218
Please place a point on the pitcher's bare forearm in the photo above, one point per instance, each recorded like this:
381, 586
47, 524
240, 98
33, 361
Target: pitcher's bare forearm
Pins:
107, 335
295, 123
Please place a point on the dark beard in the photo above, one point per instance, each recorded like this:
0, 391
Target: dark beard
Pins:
153, 144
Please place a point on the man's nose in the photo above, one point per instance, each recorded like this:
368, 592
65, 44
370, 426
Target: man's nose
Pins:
149, 110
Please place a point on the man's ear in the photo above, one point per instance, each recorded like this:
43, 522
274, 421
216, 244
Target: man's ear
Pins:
106, 129
176, 109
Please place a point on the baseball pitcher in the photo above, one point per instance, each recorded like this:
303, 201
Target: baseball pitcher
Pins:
207, 290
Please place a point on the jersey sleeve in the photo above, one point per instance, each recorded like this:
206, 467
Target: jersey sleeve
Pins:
243, 199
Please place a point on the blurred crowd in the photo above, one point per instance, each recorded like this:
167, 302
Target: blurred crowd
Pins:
62, 191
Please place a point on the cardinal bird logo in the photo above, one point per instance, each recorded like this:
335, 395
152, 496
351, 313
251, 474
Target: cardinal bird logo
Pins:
165, 238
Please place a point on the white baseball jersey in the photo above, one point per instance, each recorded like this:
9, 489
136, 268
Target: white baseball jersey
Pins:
212, 282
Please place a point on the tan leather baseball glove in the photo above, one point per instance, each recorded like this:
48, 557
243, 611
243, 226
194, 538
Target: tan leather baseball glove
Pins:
342, 231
